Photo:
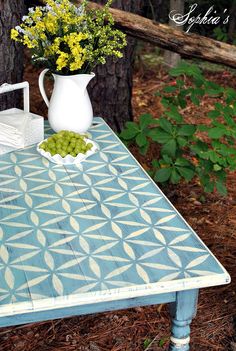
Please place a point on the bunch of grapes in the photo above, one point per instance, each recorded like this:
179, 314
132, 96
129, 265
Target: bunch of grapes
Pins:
66, 143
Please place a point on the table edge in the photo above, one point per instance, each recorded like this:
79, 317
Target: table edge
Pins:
91, 298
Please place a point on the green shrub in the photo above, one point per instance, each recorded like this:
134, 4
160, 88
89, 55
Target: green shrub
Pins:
206, 151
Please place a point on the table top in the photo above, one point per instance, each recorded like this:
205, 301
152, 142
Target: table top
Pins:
98, 231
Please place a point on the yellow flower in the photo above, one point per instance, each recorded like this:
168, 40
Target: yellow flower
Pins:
62, 60
50, 23
76, 64
40, 26
29, 43
14, 34
64, 37
43, 36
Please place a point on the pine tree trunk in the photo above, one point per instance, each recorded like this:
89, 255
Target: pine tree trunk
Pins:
232, 22
172, 59
11, 54
111, 89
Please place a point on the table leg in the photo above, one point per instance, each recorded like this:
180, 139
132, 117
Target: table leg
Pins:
183, 310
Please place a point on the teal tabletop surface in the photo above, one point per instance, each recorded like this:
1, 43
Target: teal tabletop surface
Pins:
97, 231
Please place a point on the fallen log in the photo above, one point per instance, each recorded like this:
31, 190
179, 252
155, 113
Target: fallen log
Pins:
189, 45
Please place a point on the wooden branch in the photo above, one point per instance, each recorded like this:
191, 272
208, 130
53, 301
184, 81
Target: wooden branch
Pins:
190, 45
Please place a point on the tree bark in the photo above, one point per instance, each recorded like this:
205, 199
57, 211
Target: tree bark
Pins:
111, 90
172, 59
232, 22
11, 53
189, 45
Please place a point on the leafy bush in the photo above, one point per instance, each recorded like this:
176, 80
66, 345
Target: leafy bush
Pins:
206, 151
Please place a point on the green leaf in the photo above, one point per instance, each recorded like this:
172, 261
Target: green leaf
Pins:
130, 131
146, 343
162, 175
214, 86
175, 177
195, 99
216, 132
167, 159
182, 162
213, 156
203, 128
221, 188
165, 102
144, 149
141, 140
217, 167
213, 92
174, 114
166, 125
185, 69
185, 172
132, 125
170, 89
169, 148
182, 141
145, 120
219, 106
180, 83
182, 102
128, 134
205, 178
158, 135
155, 164
230, 92
209, 187
199, 92
187, 130
214, 114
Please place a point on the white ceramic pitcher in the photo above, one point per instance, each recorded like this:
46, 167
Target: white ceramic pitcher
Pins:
69, 107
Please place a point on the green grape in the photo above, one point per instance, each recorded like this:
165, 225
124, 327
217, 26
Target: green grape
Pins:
89, 146
66, 142
43, 146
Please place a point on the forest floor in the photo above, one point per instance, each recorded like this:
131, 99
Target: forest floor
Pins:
214, 219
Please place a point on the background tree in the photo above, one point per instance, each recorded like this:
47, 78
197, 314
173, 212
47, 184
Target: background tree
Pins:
11, 54
232, 22
111, 89
172, 59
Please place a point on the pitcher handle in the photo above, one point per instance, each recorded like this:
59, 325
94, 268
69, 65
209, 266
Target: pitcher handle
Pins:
41, 86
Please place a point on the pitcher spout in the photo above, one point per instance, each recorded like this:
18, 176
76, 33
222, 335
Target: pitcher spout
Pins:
80, 80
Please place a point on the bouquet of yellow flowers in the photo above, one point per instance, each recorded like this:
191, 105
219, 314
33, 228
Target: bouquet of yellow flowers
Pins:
68, 39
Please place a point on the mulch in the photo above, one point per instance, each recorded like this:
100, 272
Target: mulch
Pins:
212, 216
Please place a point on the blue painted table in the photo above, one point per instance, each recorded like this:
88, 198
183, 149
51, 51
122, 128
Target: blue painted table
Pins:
95, 237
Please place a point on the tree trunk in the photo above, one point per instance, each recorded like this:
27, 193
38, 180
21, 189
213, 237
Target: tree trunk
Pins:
172, 59
111, 89
232, 22
11, 54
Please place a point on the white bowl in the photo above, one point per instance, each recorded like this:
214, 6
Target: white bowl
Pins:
68, 160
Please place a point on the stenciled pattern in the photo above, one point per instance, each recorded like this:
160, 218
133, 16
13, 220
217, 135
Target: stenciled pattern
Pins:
89, 228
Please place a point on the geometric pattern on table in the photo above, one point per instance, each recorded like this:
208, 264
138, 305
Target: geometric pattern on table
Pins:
89, 228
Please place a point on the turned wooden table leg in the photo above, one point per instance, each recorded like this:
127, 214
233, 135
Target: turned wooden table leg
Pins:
183, 310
